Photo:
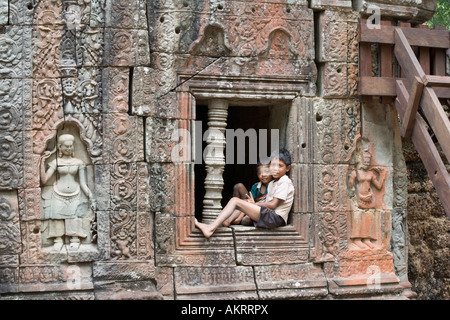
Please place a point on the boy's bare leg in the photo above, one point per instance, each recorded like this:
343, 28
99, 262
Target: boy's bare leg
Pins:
240, 191
246, 221
235, 218
250, 209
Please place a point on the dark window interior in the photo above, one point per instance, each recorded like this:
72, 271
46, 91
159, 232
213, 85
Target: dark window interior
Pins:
239, 117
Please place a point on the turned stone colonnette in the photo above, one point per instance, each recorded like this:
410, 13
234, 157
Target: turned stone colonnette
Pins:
215, 159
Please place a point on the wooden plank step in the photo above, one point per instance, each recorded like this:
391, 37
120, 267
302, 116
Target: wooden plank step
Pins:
427, 150
412, 107
437, 118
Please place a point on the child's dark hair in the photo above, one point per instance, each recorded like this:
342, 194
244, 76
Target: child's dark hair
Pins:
263, 162
282, 154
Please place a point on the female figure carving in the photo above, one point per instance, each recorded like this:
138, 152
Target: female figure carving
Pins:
364, 178
68, 205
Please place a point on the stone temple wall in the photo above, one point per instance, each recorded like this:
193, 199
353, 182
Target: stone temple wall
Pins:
98, 192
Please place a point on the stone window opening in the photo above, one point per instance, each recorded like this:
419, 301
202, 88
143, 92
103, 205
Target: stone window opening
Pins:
255, 127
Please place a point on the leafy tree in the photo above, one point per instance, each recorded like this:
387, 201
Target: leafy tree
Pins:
442, 15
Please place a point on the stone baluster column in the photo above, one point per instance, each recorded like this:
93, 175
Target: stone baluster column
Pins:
215, 159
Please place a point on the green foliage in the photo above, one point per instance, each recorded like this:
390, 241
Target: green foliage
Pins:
442, 15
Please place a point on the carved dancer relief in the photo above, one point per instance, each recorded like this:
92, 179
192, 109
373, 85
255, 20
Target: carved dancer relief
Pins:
366, 182
68, 204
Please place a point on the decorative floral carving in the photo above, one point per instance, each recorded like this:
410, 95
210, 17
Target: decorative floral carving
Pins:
9, 227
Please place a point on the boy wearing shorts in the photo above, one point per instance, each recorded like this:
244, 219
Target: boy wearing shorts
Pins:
271, 214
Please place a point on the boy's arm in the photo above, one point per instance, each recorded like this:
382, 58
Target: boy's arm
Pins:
272, 204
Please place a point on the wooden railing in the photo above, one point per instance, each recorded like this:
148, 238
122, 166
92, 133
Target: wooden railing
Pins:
416, 87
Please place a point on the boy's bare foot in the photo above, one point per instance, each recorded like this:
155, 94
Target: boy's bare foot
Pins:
206, 229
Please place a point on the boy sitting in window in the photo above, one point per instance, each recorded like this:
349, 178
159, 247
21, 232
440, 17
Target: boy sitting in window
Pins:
271, 214
258, 193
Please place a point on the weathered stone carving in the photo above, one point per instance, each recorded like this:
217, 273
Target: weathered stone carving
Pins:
68, 205
9, 225
367, 181
123, 217
331, 235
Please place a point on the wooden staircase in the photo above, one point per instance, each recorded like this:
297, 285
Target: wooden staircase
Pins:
418, 89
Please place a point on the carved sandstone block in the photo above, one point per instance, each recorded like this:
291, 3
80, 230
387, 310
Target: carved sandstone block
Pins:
172, 188
15, 52
159, 142
143, 91
330, 232
30, 204
126, 290
123, 233
9, 223
46, 59
330, 188
362, 272
126, 48
90, 45
123, 137
47, 108
116, 93
290, 280
244, 28
11, 160
47, 12
9, 279
337, 123
52, 277
124, 271
168, 28
21, 12
103, 235
126, 14
334, 78
333, 37
164, 283
3, 11
215, 283
164, 67
31, 241
256, 246
11, 98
